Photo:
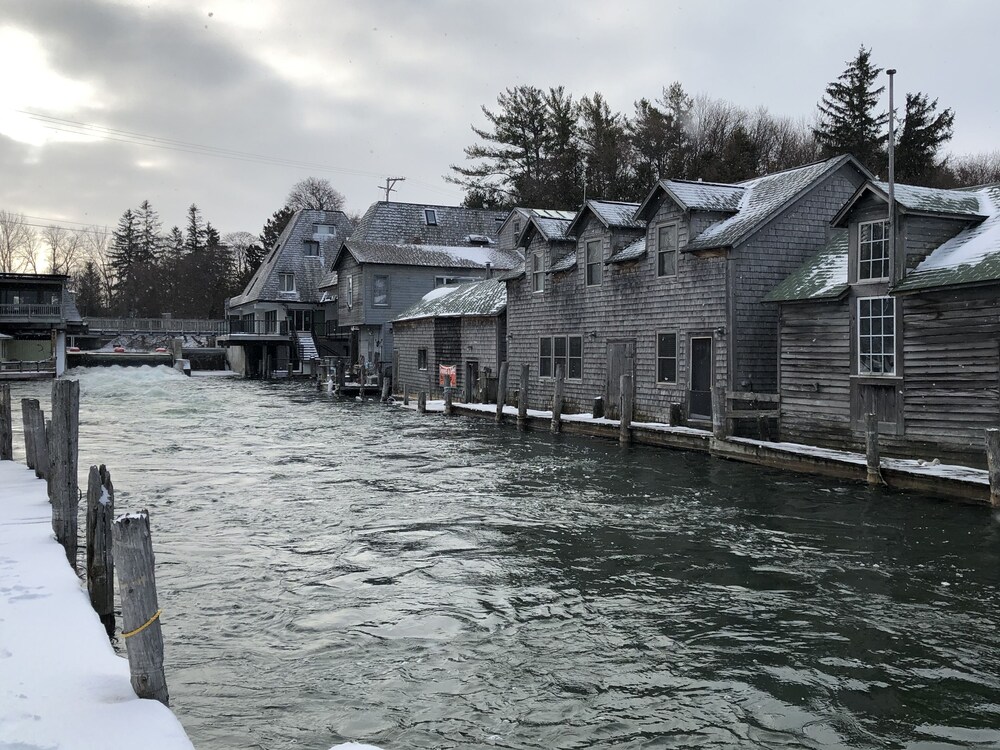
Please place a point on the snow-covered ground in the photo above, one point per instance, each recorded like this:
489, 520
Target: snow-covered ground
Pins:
61, 683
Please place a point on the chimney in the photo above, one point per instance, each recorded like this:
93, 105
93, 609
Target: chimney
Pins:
489, 270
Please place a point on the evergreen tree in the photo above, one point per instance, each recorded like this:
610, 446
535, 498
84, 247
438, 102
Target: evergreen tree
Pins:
676, 104
923, 133
605, 148
147, 261
194, 239
123, 257
171, 270
89, 291
563, 165
650, 136
849, 122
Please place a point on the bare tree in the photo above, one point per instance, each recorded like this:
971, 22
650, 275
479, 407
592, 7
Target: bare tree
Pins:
314, 193
96, 246
17, 243
239, 244
65, 249
975, 169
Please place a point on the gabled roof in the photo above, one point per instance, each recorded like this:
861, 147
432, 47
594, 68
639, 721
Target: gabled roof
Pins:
565, 263
694, 196
542, 213
288, 256
552, 226
912, 199
823, 276
612, 214
970, 257
634, 251
406, 223
476, 299
764, 198
439, 256
513, 274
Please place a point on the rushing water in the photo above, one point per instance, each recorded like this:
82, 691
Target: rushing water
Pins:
337, 571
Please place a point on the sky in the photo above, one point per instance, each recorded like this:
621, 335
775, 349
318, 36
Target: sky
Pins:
228, 103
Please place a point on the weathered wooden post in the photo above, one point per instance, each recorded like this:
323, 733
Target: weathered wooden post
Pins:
63, 446
6, 425
341, 376
422, 402
871, 449
993, 461
720, 422
406, 395
557, 401
100, 563
597, 410
177, 348
386, 387
522, 399
28, 407
133, 555
501, 392
447, 400
625, 425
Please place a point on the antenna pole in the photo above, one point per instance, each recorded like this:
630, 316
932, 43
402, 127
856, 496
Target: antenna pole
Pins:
896, 272
389, 186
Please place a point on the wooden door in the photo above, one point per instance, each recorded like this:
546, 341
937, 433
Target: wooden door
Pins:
471, 379
621, 361
700, 396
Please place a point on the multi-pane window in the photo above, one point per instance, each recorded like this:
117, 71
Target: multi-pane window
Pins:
537, 273
876, 336
311, 248
421, 359
270, 321
595, 267
380, 291
286, 282
560, 350
666, 358
666, 250
873, 250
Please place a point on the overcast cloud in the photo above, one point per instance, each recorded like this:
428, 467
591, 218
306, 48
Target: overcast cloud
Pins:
379, 89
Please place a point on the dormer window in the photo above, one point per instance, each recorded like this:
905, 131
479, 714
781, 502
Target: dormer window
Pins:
311, 248
537, 273
286, 282
873, 250
430, 217
326, 229
595, 265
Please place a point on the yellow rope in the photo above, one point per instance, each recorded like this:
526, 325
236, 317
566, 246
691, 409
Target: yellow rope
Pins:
142, 627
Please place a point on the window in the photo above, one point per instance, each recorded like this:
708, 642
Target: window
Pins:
666, 358
350, 292
666, 250
421, 359
430, 217
286, 282
380, 291
537, 273
876, 336
311, 248
560, 350
328, 229
445, 280
594, 266
270, 321
873, 250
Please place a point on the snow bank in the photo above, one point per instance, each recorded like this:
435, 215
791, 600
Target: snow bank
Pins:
61, 684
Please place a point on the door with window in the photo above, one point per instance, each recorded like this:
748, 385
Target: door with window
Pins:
700, 396
621, 361
302, 320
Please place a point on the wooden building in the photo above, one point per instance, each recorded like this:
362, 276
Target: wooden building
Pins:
464, 326
904, 324
669, 290
285, 318
37, 313
401, 251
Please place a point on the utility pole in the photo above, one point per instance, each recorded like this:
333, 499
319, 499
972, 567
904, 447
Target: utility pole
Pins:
389, 186
896, 270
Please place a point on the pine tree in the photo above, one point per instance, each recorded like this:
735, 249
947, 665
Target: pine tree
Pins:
605, 148
89, 291
123, 257
849, 122
147, 261
563, 166
923, 133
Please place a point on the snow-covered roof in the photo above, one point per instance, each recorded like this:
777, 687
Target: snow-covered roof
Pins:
407, 223
565, 263
441, 256
513, 274
552, 225
484, 298
823, 276
972, 256
616, 214
695, 196
633, 251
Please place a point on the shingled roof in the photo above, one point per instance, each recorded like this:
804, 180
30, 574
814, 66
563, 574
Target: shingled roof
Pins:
912, 199
612, 214
823, 276
630, 252
440, 256
288, 256
407, 223
484, 298
694, 196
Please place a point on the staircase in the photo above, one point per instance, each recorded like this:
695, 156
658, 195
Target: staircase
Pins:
306, 346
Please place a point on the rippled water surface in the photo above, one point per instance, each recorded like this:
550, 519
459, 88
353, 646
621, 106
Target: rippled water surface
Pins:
338, 571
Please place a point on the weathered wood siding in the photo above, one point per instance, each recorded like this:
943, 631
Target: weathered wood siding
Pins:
922, 234
410, 337
815, 361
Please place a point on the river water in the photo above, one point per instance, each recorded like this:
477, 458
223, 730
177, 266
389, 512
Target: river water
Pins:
334, 571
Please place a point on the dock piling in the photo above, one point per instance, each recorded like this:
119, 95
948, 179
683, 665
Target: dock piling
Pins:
501, 392
406, 395
557, 401
6, 425
63, 484
447, 401
871, 449
100, 563
522, 399
28, 407
720, 422
133, 554
422, 402
993, 461
625, 425
386, 388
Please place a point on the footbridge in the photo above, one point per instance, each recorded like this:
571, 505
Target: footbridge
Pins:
170, 326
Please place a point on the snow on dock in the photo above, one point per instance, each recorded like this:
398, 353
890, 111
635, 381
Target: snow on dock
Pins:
61, 684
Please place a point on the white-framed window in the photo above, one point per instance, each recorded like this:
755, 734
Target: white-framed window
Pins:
666, 358
380, 291
430, 217
286, 282
666, 250
311, 248
560, 350
421, 359
595, 263
350, 292
873, 250
328, 229
537, 273
876, 336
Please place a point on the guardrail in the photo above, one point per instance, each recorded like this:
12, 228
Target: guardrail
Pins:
156, 325
41, 365
259, 327
30, 311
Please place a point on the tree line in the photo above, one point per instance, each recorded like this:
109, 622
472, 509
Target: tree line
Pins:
544, 148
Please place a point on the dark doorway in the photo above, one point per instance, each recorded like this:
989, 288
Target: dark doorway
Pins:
700, 406
471, 380
621, 361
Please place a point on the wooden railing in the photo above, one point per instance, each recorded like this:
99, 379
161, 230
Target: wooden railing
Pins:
156, 325
760, 407
42, 365
258, 327
30, 311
